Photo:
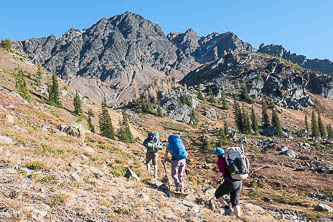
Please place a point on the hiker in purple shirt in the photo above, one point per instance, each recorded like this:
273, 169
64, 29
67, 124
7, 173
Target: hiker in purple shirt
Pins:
178, 160
229, 185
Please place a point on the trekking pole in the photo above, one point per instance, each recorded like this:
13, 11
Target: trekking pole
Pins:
263, 167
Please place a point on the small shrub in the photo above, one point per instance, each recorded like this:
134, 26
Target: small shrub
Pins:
35, 165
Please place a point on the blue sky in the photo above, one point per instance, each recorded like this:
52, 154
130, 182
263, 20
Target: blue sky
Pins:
301, 26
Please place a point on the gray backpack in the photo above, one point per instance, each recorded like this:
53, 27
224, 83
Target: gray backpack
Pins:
238, 164
153, 142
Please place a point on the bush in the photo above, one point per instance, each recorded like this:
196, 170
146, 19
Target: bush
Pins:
6, 44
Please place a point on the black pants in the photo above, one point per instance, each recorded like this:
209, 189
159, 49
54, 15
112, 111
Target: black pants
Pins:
233, 187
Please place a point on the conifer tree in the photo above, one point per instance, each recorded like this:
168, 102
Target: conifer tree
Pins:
90, 124
222, 137
200, 96
265, 117
321, 127
125, 134
276, 121
226, 128
330, 132
21, 85
211, 98
238, 116
194, 116
54, 94
314, 126
225, 105
246, 121
306, 123
39, 75
6, 44
77, 104
254, 121
245, 95
105, 122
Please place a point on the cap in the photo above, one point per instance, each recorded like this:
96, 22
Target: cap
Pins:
218, 151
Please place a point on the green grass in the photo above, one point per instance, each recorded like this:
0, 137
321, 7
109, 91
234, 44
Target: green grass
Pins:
35, 165
175, 126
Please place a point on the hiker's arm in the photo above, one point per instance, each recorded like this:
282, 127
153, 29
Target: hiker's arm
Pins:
216, 178
166, 154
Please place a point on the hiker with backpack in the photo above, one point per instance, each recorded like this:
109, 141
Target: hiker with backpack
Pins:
178, 160
233, 167
153, 145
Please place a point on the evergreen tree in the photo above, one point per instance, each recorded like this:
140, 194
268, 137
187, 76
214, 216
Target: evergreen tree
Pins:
238, 116
314, 126
306, 123
265, 117
21, 85
245, 95
105, 122
225, 105
321, 127
276, 121
226, 128
211, 98
6, 44
54, 94
90, 124
246, 121
254, 121
200, 96
125, 134
194, 116
222, 137
39, 74
330, 132
77, 104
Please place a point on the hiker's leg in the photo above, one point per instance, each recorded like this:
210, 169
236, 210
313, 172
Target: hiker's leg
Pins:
234, 197
174, 171
155, 165
148, 160
223, 189
182, 166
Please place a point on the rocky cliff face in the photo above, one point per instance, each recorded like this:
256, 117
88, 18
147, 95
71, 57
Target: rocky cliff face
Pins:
119, 56
287, 84
320, 65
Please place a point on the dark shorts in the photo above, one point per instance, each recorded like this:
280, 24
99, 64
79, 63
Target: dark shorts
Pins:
151, 157
234, 188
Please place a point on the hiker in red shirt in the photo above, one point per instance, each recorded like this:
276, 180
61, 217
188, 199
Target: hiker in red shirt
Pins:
229, 185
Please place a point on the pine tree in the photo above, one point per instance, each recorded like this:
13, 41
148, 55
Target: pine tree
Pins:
246, 121
200, 96
54, 95
77, 104
245, 95
276, 121
222, 137
225, 105
265, 117
39, 75
238, 116
314, 126
254, 121
105, 122
330, 132
125, 134
6, 44
321, 127
226, 129
90, 124
194, 116
211, 98
306, 123
21, 85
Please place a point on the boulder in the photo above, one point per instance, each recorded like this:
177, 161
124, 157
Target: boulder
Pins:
323, 207
75, 130
289, 153
5, 140
209, 191
270, 131
211, 114
10, 118
144, 197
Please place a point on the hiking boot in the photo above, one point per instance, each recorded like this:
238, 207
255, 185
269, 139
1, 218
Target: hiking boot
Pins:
227, 212
178, 188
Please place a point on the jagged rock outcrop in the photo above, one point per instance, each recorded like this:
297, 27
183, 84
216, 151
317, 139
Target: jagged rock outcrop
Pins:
118, 56
321, 65
287, 84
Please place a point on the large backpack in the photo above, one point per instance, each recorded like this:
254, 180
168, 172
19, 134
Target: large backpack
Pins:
153, 142
177, 147
238, 164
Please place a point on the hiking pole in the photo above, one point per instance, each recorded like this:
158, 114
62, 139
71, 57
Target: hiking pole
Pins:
263, 167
